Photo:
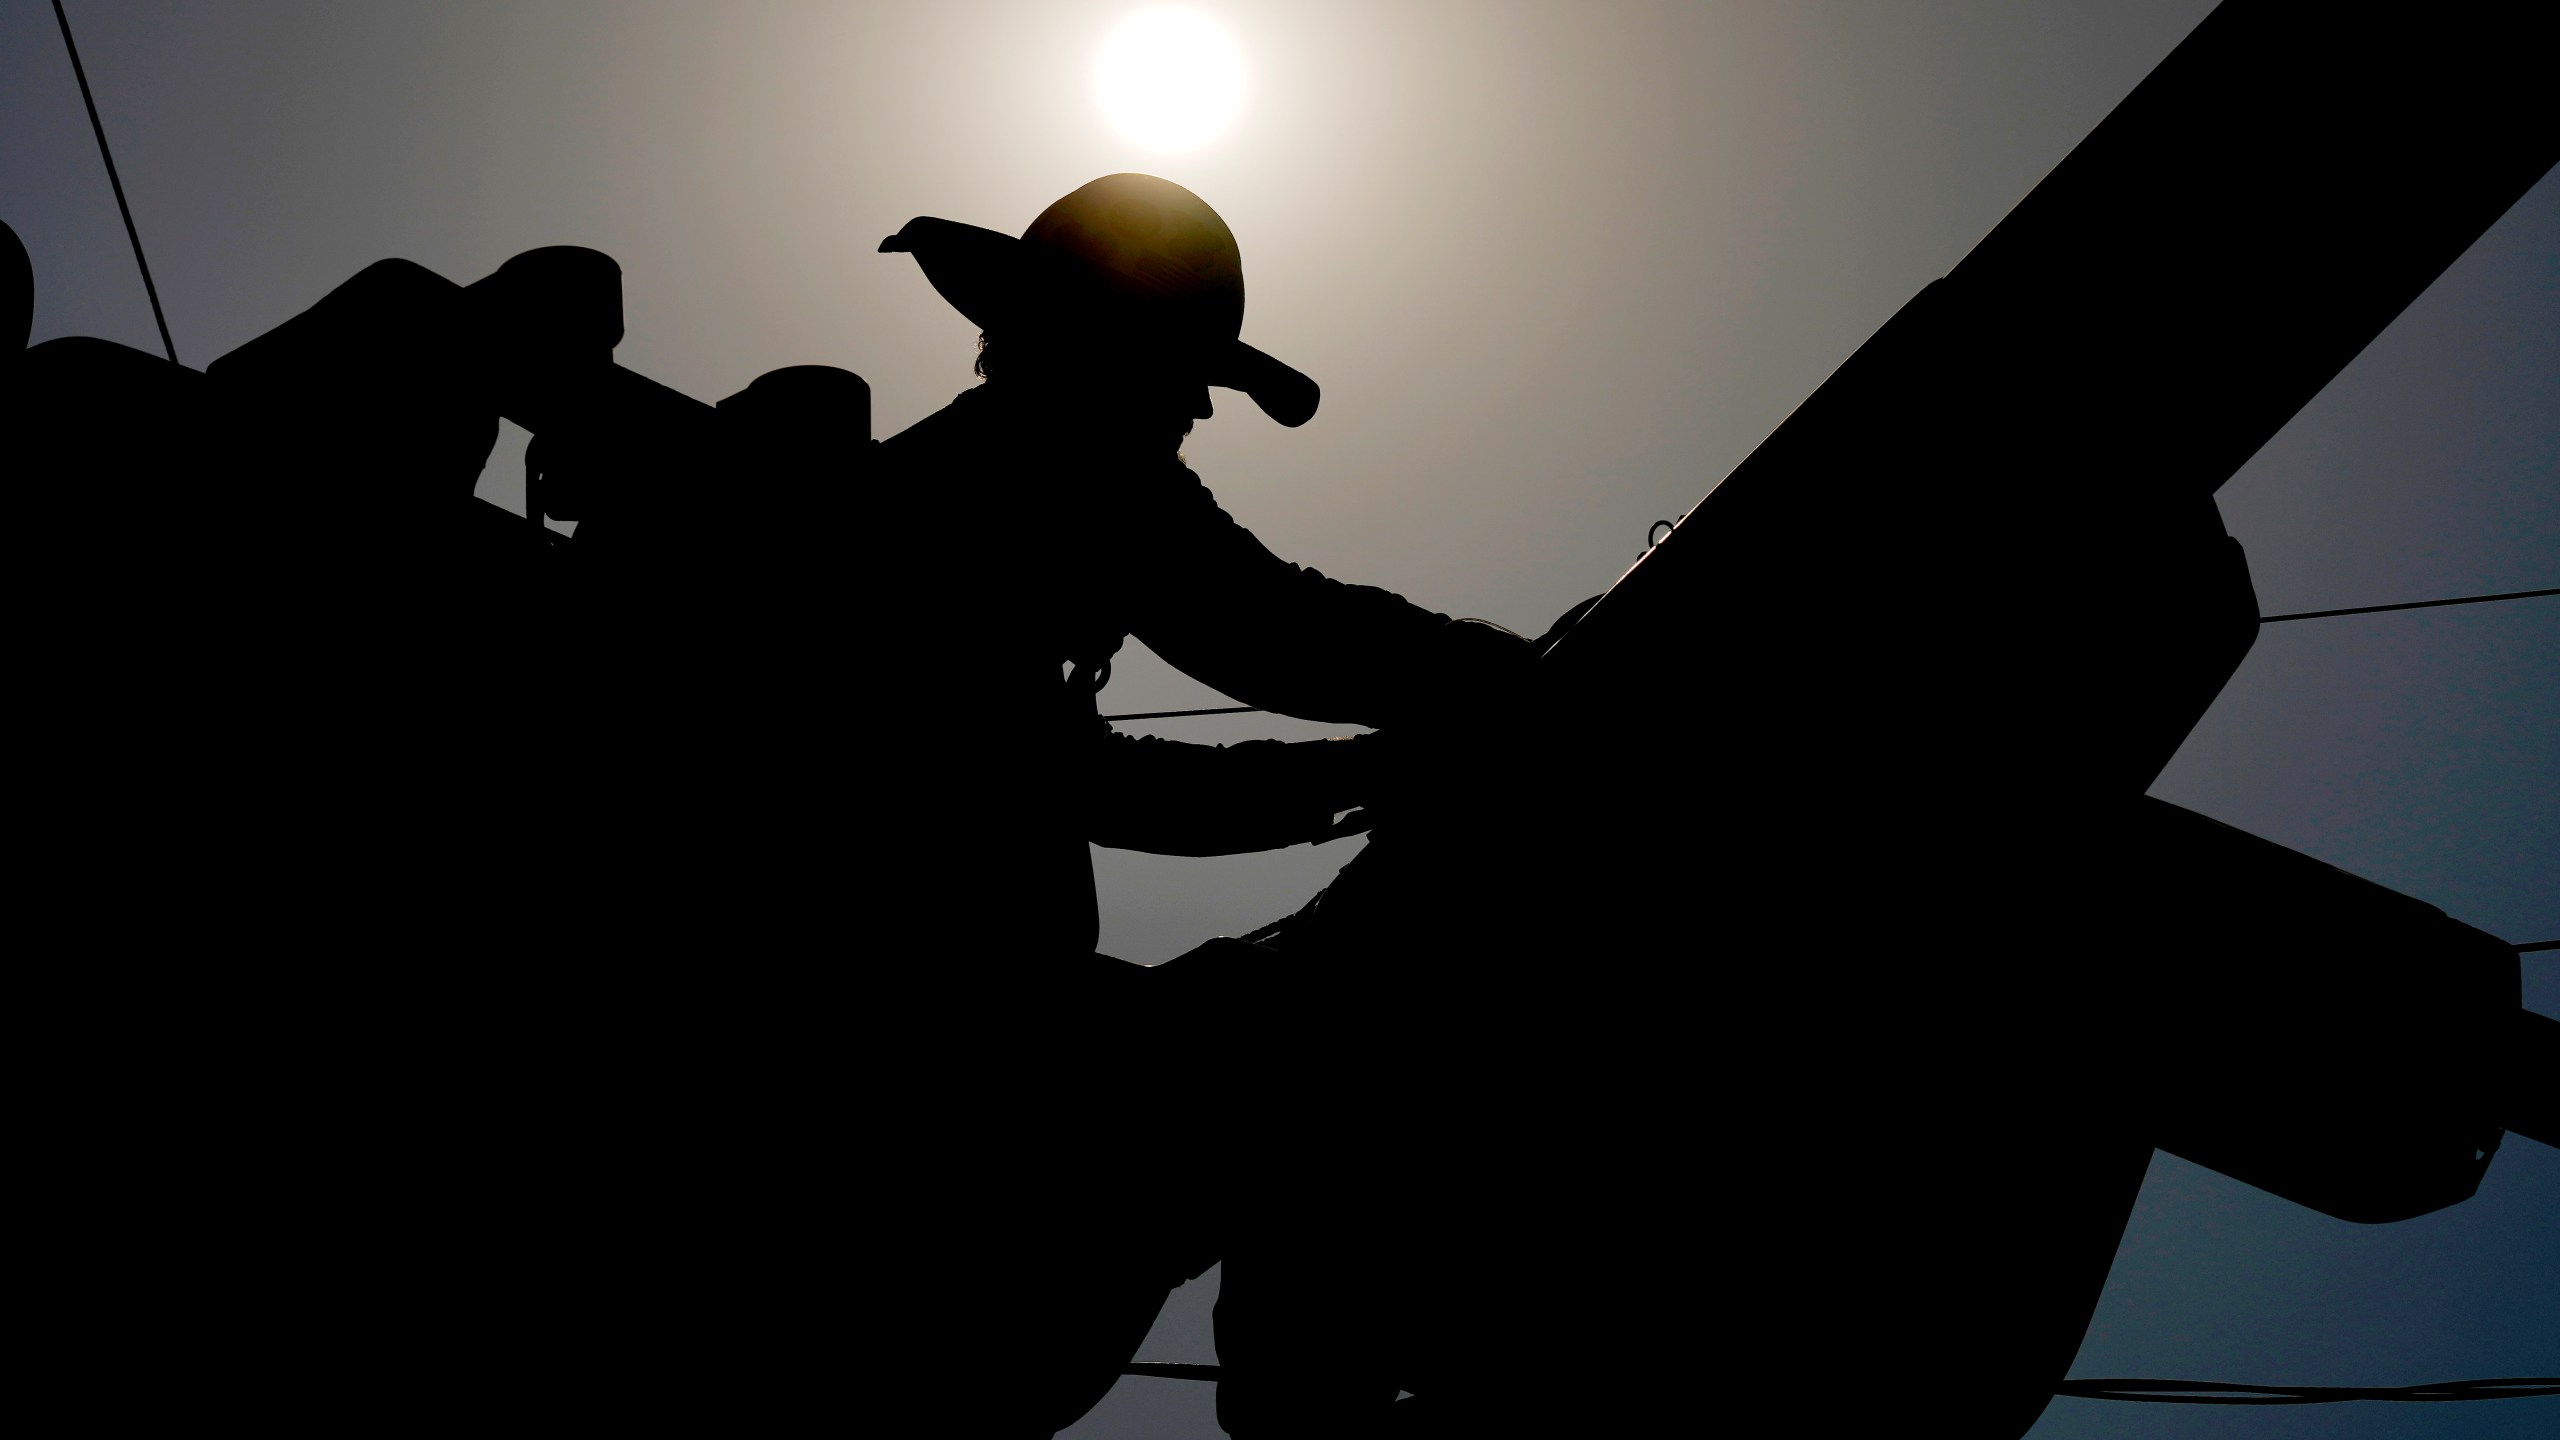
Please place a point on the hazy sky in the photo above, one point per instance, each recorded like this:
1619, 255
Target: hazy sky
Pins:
1558, 268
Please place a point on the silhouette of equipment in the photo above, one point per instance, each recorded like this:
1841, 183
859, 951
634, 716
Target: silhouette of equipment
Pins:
443, 870
2035, 601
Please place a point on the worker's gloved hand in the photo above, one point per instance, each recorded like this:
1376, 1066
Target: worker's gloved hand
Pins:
1471, 672
1427, 776
1445, 758
1564, 622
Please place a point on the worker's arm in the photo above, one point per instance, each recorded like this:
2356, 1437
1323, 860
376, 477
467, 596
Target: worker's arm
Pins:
1219, 606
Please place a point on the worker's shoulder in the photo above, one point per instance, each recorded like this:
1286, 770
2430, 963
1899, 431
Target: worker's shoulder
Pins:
961, 424
1171, 492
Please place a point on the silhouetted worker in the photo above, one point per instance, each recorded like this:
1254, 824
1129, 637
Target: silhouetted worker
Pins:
1041, 1144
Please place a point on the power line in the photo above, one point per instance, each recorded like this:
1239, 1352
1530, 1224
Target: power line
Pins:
2214, 1392
2156, 1392
2538, 945
2263, 620
122, 208
2407, 605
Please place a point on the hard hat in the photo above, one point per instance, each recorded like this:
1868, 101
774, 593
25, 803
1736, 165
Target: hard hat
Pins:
1126, 251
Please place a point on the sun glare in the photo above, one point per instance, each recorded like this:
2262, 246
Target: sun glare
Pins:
1170, 78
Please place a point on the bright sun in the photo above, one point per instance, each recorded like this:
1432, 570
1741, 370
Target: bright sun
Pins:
1169, 78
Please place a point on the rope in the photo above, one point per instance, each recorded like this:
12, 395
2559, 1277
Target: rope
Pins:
122, 208
2156, 1392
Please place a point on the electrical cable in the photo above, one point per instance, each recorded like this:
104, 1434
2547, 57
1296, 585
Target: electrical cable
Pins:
2263, 620
2407, 605
2214, 1392
122, 208
2156, 1392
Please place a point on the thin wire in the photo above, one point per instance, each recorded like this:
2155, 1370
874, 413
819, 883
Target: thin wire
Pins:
107, 155
2214, 1392
2407, 605
2156, 1392
2263, 620
1168, 1370
1177, 714
2538, 945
